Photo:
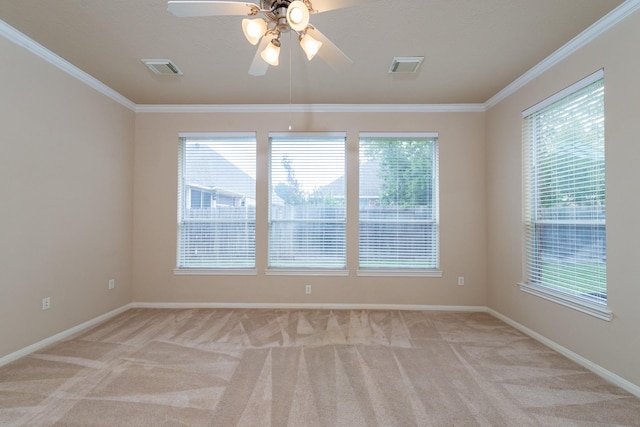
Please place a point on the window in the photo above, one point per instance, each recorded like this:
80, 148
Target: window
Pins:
564, 169
216, 201
200, 199
307, 213
398, 202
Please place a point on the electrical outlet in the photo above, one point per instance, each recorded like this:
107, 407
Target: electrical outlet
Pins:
112, 283
460, 280
307, 289
46, 303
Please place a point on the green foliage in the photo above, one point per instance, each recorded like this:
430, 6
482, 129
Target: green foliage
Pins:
406, 171
320, 198
585, 276
564, 187
569, 152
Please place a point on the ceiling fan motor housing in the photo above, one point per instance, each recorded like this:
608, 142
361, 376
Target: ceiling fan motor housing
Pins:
274, 4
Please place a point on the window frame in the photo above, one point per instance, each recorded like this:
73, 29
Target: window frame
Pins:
531, 225
283, 270
184, 196
398, 271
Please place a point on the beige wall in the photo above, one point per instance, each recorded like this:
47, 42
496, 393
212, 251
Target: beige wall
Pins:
82, 203
66, 166
613, 345
462, 211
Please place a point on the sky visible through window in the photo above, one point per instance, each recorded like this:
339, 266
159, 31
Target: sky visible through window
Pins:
238, 154
311, 170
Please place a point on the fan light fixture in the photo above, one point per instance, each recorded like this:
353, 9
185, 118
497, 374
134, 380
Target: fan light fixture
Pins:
310, 45
254, 29
293, 16
266, 20
298, 16
271, 53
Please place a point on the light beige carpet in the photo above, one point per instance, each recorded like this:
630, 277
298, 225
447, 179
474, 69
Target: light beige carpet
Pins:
208, 367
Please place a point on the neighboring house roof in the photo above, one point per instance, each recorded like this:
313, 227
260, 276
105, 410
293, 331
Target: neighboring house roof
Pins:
226, 177
370, 182
231, 179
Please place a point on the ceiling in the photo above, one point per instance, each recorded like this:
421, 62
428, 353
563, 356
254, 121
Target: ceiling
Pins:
472, 49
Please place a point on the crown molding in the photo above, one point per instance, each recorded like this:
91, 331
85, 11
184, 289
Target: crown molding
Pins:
15, 36
311, 108
37, 49
598, 28
595, 30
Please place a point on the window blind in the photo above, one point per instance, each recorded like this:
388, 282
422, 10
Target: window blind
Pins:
564, 164
307, 215
216, 201
399, 201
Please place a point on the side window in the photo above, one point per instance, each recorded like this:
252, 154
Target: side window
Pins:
398, 212
307, 206
565, 204
216, 207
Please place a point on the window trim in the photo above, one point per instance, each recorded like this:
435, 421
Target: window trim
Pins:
181, 197
278, 270
581, 304
193, 271
568, 300
399, 271
283, 271
580, 84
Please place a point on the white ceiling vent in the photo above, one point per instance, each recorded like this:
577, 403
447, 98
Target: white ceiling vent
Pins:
405, 64
162, 67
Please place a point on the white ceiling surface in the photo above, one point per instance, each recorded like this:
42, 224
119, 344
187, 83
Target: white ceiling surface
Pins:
472, 49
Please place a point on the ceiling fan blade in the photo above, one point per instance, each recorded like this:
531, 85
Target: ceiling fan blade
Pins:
188, 8
258, 66
329, 51
326, 5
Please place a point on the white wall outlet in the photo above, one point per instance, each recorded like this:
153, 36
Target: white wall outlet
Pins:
307, 289
46, 303
112, 283
460, 280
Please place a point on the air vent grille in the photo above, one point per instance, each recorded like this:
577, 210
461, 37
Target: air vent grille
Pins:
162, 67
405, 64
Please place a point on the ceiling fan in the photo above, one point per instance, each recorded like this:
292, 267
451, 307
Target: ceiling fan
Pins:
278, 16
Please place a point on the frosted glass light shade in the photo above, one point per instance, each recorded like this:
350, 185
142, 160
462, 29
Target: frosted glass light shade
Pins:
271, 54
254, 29
310, 46
298, 15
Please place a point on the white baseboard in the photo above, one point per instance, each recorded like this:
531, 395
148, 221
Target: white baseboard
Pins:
586, 363
65, 334
62, 335
310, 306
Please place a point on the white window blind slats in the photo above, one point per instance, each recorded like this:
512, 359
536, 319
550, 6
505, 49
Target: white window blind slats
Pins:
216, 203
565, 226
307, 208
398, 202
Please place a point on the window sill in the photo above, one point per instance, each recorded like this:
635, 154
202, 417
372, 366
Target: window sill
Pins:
592, 309
390, 272
305, 272
185, 271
